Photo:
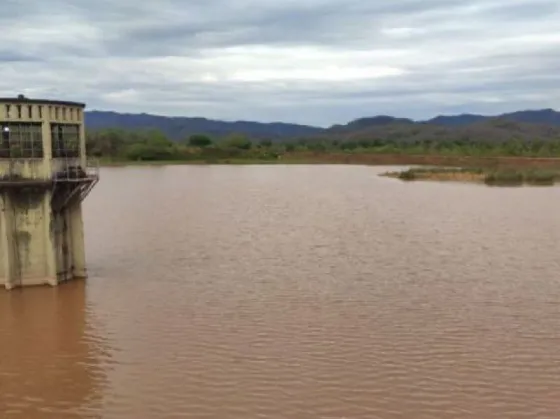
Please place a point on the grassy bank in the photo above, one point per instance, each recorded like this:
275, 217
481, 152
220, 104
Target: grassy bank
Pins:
501, 176
490, 162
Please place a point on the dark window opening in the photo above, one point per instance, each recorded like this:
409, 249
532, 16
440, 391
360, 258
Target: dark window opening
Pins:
65, 140
30, 111
5, 143
19, 111
40, 111
21, 141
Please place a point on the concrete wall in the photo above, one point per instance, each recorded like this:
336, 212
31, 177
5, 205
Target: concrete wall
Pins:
9, 111
25, 168
25, 245
69, 244
8, 249
78, 241
39, 247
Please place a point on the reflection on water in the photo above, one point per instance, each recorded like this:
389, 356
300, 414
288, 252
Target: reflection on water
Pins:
295, 292
49, 356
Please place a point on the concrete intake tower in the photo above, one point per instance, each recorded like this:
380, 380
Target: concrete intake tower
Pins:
44, 177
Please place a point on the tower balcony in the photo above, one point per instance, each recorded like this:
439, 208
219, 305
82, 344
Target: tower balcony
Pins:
18, 172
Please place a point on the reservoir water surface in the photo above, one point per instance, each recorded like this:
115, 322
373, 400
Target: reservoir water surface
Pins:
295, 292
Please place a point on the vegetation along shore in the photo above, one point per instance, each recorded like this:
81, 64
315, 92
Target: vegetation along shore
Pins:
493, 152
500, 176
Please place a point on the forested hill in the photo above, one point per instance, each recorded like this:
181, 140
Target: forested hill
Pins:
541, 117
179, 128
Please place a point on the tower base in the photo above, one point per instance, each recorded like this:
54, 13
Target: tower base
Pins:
40, 243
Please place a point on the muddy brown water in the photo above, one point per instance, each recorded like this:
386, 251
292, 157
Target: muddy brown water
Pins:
295, 292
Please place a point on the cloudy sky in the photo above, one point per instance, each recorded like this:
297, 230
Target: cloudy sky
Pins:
307, 61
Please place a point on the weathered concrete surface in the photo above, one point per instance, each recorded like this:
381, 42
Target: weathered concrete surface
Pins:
40, 244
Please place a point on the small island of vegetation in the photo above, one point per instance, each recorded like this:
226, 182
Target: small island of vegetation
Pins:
504, 176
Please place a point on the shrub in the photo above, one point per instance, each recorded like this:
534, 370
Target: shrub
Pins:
504, 177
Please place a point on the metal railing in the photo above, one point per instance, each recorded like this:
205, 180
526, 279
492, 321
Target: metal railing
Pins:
92, 167
72, 182
72, 170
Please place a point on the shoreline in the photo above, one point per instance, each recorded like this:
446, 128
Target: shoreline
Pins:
490, 162
490, 171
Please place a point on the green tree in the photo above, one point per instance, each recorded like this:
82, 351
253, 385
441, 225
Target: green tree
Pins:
239, 141
290, 148
265, 143
150, 152
199, 140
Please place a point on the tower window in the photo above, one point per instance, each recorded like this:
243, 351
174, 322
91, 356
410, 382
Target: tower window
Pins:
5, 143
21, 140
65, 140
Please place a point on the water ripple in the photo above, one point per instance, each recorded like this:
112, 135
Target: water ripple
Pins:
295, 292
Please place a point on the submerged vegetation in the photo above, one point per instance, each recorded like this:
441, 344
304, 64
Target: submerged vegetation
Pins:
501, 176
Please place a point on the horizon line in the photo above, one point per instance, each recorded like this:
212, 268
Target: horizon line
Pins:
448, 115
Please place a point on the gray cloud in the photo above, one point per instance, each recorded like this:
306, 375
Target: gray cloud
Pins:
312, 61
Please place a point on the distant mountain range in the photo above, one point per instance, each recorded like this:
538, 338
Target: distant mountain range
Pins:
181, 127
542, 116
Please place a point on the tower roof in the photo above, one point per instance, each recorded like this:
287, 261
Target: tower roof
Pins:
26, 101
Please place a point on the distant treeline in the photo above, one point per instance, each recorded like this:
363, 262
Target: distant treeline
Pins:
490, 138
152, 145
